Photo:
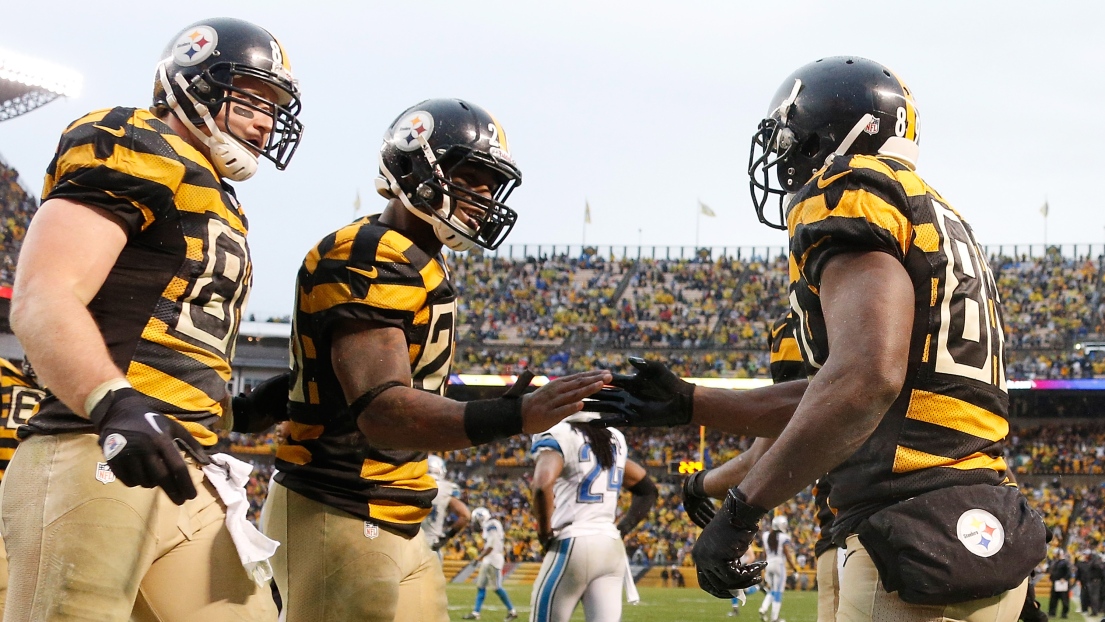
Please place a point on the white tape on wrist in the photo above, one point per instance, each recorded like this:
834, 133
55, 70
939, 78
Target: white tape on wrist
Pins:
101, 391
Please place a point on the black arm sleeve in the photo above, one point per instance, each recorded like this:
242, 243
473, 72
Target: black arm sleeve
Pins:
644, 497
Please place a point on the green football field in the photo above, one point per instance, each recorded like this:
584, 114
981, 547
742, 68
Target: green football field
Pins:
657, 605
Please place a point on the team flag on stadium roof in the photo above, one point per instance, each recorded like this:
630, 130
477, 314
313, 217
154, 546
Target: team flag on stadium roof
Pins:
1044, 209
706, 211
587, 212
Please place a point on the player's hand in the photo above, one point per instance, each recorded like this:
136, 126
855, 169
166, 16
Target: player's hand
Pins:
143, 447
265, 405
438, 543
560, 398
723, 543
699, 507
654, 396
545, 540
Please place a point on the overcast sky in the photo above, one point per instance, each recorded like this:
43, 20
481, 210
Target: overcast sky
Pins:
642, 107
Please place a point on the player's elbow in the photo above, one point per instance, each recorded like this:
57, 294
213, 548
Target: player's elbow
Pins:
882, 384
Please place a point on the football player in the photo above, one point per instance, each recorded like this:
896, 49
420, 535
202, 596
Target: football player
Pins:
900, 323
447, 501
698, 489
372, 346
491, 561
128, 299
20, 396
779, 555
579, 471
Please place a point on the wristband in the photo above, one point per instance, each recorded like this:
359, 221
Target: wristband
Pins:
697, 483
490, 420
99, 393
742, 514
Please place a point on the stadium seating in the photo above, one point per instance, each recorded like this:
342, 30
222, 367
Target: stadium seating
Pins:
17, 206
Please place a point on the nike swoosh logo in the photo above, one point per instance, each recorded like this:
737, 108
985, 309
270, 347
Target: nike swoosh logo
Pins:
823, 182
373, 273
151, 418
119, 132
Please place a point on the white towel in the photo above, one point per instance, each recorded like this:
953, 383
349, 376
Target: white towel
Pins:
740, 596
631, 595
229, 476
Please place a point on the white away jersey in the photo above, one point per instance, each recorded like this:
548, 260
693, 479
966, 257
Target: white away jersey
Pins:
775, 552
494, 537
434, 524
585, 495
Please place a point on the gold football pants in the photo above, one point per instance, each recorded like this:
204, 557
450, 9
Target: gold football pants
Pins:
333, 566
82, 546
863, 599
828, 585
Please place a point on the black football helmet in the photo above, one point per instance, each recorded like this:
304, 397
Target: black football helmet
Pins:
195, 79
834, 106
427, 146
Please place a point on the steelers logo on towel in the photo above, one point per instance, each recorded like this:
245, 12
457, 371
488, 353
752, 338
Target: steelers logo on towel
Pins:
980, 532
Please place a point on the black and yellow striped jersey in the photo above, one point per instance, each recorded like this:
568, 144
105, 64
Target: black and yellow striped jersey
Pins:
364, 272
821, 490
786, 359
19, 397
169, 309
948, 424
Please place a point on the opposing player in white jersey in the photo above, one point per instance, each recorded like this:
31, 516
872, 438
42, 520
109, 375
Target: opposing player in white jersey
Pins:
779, 554
491, 562
446, 502
580, 469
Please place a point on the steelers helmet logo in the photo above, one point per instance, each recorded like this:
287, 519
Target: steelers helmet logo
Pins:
980, 532
407, 132
195, 46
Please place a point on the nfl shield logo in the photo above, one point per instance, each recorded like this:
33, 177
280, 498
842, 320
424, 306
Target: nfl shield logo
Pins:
103, 473
371, 531
872, 127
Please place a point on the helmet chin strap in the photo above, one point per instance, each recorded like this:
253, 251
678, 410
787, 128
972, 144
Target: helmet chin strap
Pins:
846, 144
388, 187
230, 158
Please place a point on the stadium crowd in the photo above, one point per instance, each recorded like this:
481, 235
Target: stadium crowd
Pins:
706, 317
16, 208
1075, 514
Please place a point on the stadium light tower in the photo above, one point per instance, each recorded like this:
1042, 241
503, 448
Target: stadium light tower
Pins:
27, 83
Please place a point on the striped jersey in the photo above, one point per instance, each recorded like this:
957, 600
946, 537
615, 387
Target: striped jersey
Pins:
369, 272
19, 398
948, 424
786, 358
171, 305
585, 495
821, 490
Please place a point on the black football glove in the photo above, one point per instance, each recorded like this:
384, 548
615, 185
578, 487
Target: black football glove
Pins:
265, 406
654, 396
723, 543
546, 542
699, 507
143, 447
